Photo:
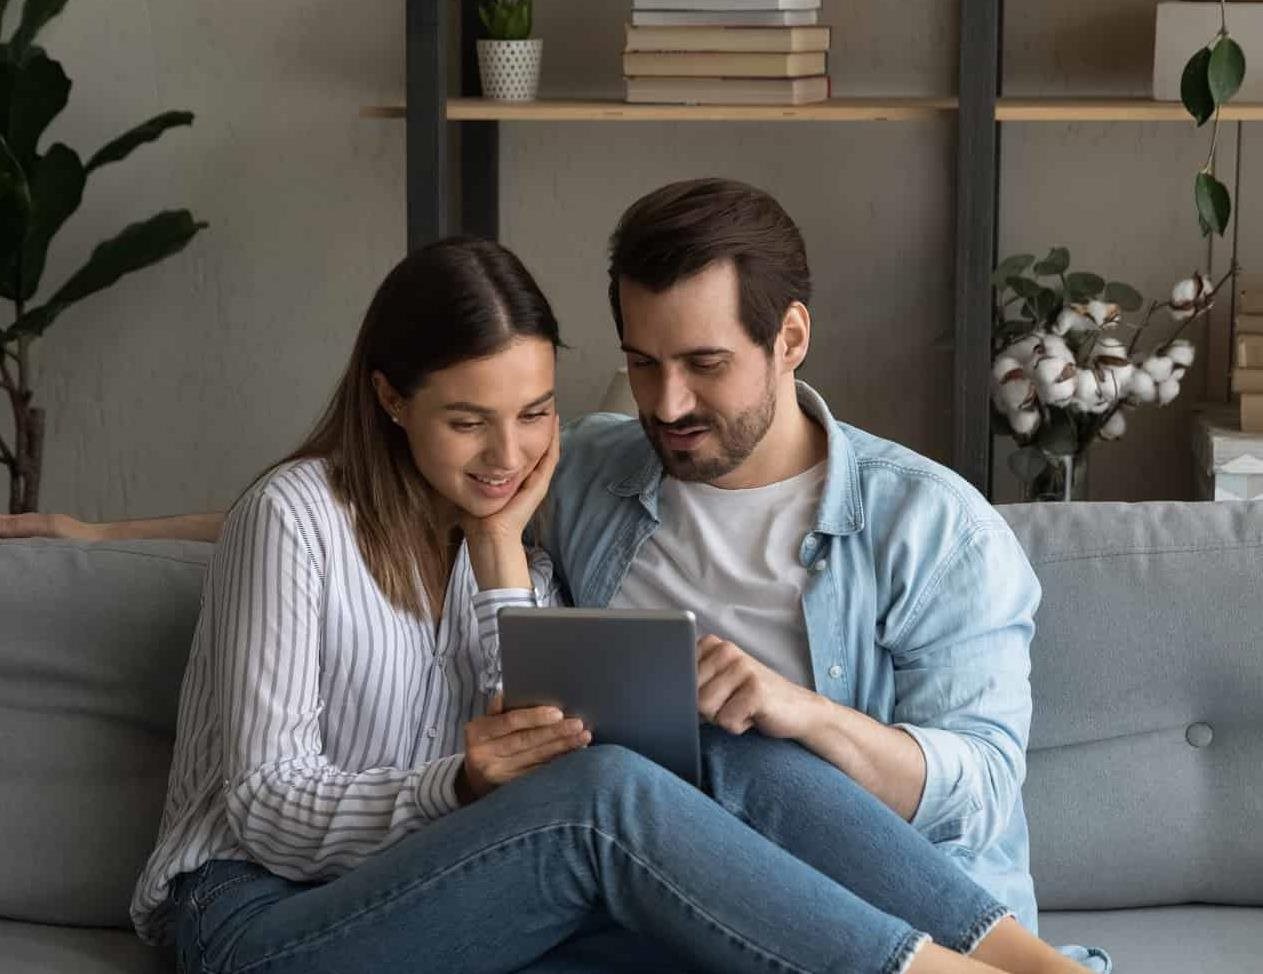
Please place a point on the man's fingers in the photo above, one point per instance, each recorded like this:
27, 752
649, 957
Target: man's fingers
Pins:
714, 693
720, 655
736, 716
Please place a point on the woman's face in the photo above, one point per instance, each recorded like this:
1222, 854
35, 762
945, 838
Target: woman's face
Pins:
478, 428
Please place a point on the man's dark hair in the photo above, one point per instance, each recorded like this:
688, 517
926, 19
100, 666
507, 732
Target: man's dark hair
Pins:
676, 231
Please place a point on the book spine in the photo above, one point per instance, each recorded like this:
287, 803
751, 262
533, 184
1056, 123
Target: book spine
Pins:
1252, 413
1250, 352
1247, 381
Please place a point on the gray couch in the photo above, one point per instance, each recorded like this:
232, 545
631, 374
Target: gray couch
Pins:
1145, 786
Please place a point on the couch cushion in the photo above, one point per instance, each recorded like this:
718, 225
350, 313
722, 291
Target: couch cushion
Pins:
1166, 940
30, 948
1145, 776
95, 639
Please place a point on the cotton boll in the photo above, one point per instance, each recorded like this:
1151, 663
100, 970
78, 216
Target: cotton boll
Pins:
1055, 380
1181, 352
1109, 348
1003, 366
1015, 393
1103, 312
1057, 348
1025, 349
1142, 388
1024, 422
1190, 296
1087, 390
1167, 391
1114, 427
1070, 320
1158, 366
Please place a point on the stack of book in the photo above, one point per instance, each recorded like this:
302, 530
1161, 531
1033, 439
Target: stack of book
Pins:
1247, 377
726, 52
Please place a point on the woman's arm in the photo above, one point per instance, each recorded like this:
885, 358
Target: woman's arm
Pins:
182, 527
296, 812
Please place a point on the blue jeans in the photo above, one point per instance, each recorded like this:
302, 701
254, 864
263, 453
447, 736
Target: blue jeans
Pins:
790, 867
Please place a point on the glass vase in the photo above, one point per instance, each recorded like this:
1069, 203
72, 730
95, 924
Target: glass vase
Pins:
1064, 479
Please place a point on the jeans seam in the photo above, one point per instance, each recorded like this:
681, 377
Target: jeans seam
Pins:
408, 887
899, 958
981, 928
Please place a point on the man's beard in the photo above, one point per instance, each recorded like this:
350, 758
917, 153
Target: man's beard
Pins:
736, 440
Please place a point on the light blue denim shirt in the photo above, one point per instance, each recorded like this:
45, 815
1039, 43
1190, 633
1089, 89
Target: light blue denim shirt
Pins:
919, 612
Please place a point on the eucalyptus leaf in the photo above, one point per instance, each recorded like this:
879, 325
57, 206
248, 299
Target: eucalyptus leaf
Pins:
148, 131
1055, 263
138, 246
1025, 287
1011, 267
1195, 87
40, 91
1124, 295
1226, 70
1083, 286
1214, 206
35, 14
1027, 463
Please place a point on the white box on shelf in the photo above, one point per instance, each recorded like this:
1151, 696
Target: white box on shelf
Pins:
1183, 27
1229, 462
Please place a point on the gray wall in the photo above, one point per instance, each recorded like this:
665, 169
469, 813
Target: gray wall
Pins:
168, 392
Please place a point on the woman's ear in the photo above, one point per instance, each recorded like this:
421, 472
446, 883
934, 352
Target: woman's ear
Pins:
795, 337
390, 400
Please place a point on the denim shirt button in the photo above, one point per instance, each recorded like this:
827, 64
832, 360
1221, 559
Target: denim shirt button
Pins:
820, 565
835, 671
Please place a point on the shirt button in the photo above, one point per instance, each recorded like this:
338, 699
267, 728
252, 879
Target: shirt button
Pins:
835, 671
820, 565
432, 732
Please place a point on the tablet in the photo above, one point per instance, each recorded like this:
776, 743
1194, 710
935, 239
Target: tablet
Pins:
631, 675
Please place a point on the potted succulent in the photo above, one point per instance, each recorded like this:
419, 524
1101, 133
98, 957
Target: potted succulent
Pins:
1068, 365
508, 58
39, 192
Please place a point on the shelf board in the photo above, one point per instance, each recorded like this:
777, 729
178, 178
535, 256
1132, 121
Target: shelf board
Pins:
833, 110
610, 110
1111, 110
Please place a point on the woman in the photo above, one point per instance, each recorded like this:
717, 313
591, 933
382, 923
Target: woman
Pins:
346, 792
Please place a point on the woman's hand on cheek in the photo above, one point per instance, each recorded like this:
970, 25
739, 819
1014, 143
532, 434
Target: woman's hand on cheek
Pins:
508, 523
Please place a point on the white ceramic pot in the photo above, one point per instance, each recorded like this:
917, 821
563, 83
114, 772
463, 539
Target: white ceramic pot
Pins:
510, 69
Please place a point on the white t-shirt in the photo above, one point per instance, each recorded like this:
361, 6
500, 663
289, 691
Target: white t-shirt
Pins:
732, 557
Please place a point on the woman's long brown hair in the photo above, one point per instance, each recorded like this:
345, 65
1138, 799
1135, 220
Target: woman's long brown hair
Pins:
449, 302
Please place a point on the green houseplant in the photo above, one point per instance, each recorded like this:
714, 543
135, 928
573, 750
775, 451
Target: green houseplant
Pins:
39, 192
508, 57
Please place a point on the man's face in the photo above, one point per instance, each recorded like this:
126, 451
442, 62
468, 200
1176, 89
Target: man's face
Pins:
705, 391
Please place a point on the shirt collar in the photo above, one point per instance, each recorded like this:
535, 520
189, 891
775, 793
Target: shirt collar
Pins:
841, 510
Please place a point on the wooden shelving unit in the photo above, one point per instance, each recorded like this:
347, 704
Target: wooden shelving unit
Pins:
833, 110
977, 112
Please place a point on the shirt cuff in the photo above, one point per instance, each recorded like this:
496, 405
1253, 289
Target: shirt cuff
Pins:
436, 786
947, 802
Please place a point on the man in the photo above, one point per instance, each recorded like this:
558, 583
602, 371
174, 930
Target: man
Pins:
856, 597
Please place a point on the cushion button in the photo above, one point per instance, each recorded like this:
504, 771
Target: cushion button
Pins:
1199, 734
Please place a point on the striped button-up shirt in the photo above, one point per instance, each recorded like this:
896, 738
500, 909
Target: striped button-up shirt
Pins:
318, 724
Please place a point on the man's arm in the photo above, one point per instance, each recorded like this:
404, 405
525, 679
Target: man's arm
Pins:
182, 527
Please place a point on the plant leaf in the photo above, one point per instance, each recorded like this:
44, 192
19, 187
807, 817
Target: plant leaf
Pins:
1195, 87
148, 131
1011, 267
1214, 206
56, 192
1083, 286
1226, 70
1027, 463
35, 14
138, 246
1055, 263
40, 91
15, 208
1123, 295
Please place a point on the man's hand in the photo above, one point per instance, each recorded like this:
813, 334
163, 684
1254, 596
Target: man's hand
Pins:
502, 746
47, 526
737, 692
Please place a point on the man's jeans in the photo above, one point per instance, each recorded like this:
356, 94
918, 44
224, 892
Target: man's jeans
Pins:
791, 867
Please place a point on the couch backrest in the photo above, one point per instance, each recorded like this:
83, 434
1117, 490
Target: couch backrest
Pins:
1145, 777
93, 642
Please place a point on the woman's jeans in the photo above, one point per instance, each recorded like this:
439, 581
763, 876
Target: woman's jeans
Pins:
790, 866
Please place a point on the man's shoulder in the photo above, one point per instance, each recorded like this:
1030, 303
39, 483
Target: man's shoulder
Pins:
897, 484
